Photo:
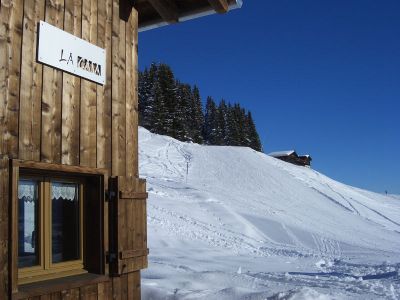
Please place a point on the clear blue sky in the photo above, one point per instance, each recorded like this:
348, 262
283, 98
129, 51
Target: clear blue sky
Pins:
321, 77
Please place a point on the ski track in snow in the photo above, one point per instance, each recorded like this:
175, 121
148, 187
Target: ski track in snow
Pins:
242, 225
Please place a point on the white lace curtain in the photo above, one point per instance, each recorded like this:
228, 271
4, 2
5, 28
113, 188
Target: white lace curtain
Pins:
28, 190
64, 190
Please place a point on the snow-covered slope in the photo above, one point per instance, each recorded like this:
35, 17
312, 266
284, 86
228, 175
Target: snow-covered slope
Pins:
233, 223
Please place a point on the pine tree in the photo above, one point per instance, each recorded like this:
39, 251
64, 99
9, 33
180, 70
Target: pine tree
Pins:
143, 93
147, 96
222, 118
183, 106
196, 116
210, 127
167, 106
166, 102
253, 139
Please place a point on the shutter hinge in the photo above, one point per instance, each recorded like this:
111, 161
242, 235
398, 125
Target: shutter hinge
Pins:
111, 257
110, 195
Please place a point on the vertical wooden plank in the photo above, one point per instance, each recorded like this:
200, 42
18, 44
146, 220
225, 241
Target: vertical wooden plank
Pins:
45, 297
118, 94
131, 96
31, 84
73, 294
104, 100
4, 212
4, 201
104, 92
104, 291
124, 286
116, 288
139, 223
3, 228
134, 291
71, 91
122, 97
11, 16
123, 219
13, 63
14, 229
131, 228
142, 188
55, 296
52, 94
88, 147
88, 292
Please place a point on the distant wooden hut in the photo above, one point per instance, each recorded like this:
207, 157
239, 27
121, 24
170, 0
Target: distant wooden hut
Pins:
72, 206
292, 157
305, 159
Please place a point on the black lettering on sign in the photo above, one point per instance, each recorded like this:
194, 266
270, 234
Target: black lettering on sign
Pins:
89, 66
70, 59
62, 56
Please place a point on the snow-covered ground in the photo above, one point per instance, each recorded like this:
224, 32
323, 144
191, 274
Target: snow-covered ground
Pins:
243, 225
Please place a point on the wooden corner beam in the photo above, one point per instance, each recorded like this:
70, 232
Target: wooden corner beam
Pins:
167, 9
220, 6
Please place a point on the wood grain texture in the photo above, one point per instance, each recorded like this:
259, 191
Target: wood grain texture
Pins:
13, 52
31, 83
59, 168
52, 94
89, 292
118, 94
54, 121
88, 147
71, 91
72, 294
4, 227
104, 30
122, 98
104, 291
117, 288
14, 229
124, 287
11, 17
4, 219
131, 96
134, 290
55, 296
59, 285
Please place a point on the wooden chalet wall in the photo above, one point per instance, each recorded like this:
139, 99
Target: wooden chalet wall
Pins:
47, 115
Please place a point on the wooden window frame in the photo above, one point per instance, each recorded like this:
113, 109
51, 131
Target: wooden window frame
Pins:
46, 268
55, 172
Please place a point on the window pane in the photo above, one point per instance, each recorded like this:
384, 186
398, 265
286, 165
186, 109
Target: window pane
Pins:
65, 222
28, 223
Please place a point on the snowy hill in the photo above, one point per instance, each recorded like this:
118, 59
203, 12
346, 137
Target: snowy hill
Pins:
243, 225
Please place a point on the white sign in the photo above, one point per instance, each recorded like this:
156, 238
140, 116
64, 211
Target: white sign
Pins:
67, 52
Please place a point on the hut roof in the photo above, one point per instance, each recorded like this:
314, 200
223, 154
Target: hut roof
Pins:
282, 153
157, 13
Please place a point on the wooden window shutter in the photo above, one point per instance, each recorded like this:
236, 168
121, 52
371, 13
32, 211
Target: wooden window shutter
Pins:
127, 225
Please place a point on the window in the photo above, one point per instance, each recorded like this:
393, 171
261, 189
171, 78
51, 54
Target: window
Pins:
58, 222
50, 227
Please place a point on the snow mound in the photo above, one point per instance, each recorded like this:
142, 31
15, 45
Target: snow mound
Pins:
233, 223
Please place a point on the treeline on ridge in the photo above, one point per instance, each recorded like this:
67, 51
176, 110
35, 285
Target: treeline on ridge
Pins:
170, 107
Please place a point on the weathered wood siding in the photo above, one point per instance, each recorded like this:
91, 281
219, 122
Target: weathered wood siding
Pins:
47, 115
124, 287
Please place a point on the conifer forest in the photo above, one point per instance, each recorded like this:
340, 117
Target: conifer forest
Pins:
170, 107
